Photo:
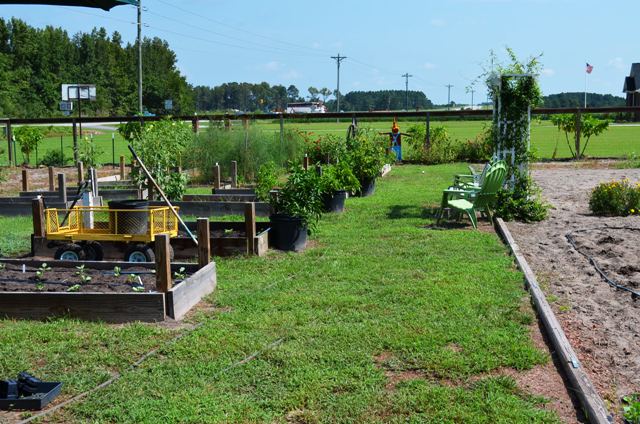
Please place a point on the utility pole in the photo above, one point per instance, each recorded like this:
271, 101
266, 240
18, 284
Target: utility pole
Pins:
140, 57
472, 91
406, 90
338, 59
448, 95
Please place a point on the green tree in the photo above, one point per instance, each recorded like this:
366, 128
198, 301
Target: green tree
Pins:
28, 138
589, 126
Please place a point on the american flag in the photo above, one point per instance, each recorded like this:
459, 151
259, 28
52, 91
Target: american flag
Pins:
589, 68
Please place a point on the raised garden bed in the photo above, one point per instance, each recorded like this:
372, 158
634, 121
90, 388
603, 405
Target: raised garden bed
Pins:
106, 298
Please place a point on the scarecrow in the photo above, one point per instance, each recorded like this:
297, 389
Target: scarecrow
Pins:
395, 137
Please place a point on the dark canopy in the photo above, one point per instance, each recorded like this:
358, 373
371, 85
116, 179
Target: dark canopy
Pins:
102, 4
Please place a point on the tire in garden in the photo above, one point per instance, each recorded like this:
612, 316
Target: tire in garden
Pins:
70, 252
140, 253
93, 251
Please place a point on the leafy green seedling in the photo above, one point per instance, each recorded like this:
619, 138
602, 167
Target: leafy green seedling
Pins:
39, 286
133, 279
228, 231
137, 288
2, 267
180, 274
74, 288
82, 273
632, 408
117, 271
40, 272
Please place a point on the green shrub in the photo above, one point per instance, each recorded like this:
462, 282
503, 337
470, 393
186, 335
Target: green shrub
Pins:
301, 196
327, 148
267, 179
367, 154
615, 198
338, 177
477, 150
89, 152
53, 158
28, 138
442, 149
523, 202
251, 149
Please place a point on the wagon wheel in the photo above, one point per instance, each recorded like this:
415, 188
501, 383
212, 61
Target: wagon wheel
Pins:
70, 252
93, 251
140, 253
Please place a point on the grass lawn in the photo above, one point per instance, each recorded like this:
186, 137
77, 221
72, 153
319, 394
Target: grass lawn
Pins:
329, 335
15, 235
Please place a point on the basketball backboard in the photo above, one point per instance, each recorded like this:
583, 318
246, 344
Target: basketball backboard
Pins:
78, 92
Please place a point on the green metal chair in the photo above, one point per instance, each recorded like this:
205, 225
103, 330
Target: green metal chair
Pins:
473, 201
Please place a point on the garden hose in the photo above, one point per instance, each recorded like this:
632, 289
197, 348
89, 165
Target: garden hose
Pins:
634, 294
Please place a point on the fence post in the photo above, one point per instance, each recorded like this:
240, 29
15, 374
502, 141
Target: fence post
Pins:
281, 131
25, 180
37, 208
204, 242
75, 141
216, 177
163, 264
62, 187
427, 136
195, 124
62, 151
122, 167
250, 226
80, 166
9, 140
52, 185
234, 174
578, 130
305, 162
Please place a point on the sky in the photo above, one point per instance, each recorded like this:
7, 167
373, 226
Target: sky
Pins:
437, 42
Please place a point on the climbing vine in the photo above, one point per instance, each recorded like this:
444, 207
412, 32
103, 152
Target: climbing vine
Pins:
515, 91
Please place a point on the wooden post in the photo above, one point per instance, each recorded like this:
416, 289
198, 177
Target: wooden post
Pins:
9, 140
80, 172
163, 264
216, 177
234, 174
150, 193
578, 130
52, 181
305, 162
122, 168
37, 207
195, 125
62, 187
281, 131
250, 226
319, 170
204, 242
25, 180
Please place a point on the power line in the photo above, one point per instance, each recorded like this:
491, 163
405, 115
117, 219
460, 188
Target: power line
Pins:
406, 77
338, 59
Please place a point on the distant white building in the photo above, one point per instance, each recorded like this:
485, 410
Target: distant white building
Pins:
306, 107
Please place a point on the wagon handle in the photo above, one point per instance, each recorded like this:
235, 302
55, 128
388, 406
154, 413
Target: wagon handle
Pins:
164, 197
81, 189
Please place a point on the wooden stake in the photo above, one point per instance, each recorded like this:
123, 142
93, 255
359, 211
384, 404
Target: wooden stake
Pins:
204, 242
163, 264
305, 162
52, 183
122, 168
250, 226
62, 187
25, 180
37, 207
234, 174
80, 172
216, 177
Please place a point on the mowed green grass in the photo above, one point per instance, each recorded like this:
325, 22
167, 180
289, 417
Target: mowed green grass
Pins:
618, 141
380, 320
15, 236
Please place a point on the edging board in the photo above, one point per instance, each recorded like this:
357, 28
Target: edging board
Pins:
184, 296
581, 385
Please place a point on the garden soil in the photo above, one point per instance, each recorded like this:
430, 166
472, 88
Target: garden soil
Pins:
602, 323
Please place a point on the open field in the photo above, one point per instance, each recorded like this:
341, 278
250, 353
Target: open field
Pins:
381, 319
619, 141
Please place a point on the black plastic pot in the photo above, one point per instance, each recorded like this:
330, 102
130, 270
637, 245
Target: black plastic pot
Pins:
287, 233
129, 222
335, 202
367, 187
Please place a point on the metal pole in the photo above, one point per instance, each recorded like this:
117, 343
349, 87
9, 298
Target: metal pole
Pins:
406, 77
140, 110
113, 149
338, 59
62, 150
448, 95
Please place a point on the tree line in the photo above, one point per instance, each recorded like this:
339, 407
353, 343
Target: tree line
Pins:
577, 100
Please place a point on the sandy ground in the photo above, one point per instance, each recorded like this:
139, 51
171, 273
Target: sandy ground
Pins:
602, 323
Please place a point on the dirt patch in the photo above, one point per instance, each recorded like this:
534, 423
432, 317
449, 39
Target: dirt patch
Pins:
12, 279
601, 322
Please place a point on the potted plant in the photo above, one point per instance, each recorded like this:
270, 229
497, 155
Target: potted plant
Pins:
335, 182
367, 157
297, 206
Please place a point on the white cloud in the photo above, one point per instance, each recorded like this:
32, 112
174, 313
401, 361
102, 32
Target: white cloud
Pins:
438, 22
548, 72
291, 74
428, 66
617, 63
272, 66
